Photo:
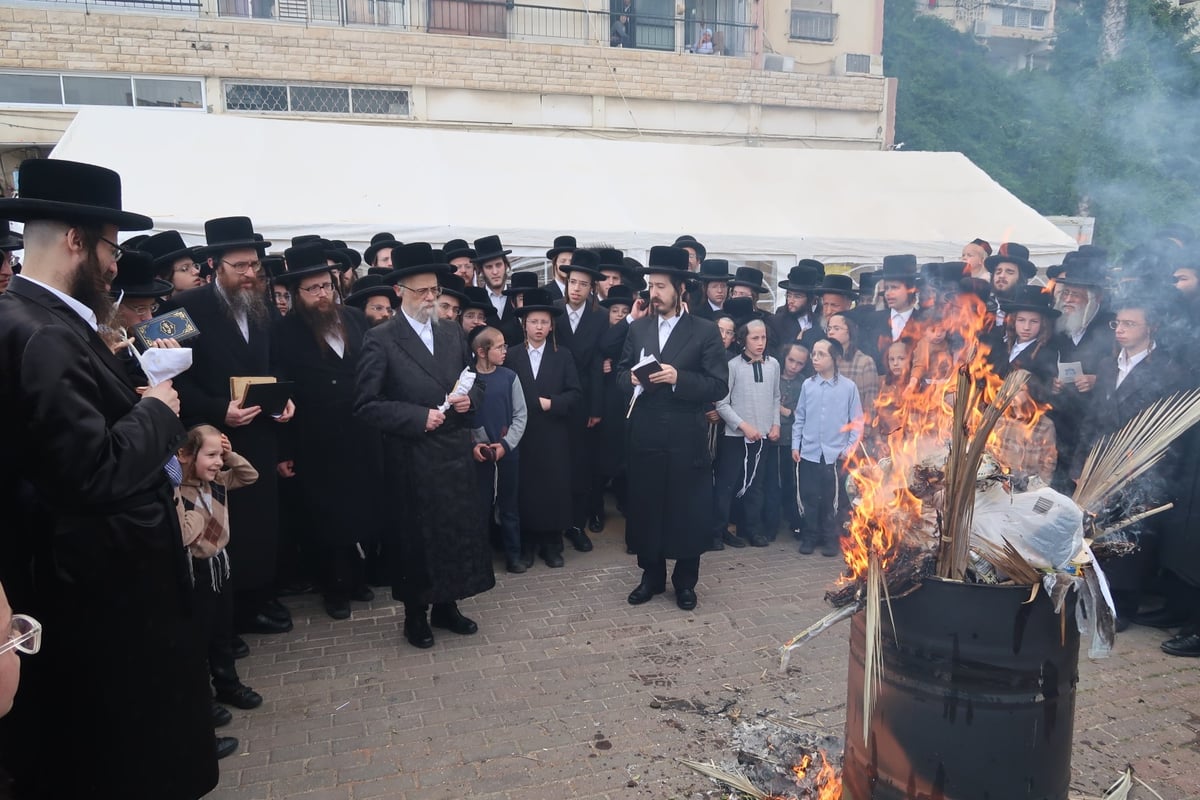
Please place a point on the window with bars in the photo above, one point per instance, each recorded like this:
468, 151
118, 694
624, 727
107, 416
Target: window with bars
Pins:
1023, 18
316, 99
813, 20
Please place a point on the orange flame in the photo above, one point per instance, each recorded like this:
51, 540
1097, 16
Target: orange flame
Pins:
801, 769
829, 783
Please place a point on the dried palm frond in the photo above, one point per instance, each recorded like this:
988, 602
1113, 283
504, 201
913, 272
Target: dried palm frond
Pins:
1008, 560
1120, 789
962, 468
1123, 456
873, 655
734, 780
1136, 518
820, 626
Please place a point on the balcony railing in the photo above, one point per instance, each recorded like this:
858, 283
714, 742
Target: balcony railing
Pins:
490, 18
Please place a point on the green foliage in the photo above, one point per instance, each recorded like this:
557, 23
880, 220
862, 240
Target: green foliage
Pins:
1118, 136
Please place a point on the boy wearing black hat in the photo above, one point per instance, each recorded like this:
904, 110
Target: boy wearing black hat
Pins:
458, 255
491, 273
559, 255
375, 297
714, 277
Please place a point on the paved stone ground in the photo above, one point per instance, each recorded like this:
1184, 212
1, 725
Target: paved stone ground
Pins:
569, 692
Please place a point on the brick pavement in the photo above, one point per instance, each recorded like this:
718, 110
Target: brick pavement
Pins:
553, 698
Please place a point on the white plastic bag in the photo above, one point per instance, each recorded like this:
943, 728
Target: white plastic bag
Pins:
1045, 527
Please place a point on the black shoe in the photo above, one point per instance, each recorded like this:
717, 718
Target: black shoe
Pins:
685, 599
644, 592
362, 594
337, 606
717, 544
226, 746
276, 611
758, 541
807, 546
578, 539
796, 534
417, 631
295, 588
830, 549
220, 716
449, 617
239, 695
733, 540
515, 567
629, 551
261, 623
596, 523
527, 558
1160, 618
553, 560
240, 648
1187, 645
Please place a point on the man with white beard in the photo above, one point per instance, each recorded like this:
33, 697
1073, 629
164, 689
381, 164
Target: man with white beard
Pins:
1084, 338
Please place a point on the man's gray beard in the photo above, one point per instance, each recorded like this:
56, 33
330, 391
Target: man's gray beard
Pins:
250, 302
421, 314
322, 323
1073, 323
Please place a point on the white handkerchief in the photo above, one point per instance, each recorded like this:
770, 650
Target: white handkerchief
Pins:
164, 363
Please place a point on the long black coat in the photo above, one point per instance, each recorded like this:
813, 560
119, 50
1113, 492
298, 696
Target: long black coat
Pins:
670, 473
544, 480
616, 402
338, 457
1071, 407
92, 549
439, 545
218, 354
1040, 360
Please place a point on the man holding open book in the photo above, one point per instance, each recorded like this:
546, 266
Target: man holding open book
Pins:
675, 364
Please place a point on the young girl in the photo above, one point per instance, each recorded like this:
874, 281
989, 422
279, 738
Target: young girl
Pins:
210, 470
827, 427
751, 415
888, 417
780, 496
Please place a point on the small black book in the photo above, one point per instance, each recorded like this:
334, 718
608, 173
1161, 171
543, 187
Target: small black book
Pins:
645, 368
273, 397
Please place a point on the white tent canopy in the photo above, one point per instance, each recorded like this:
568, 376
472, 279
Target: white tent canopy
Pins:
422, 184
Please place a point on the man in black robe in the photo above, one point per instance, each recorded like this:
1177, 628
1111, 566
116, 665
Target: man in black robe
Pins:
405, 385
91, 539
670, 476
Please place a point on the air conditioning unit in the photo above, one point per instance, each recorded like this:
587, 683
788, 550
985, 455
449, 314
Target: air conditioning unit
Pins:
982, 29
857, 64
774, 62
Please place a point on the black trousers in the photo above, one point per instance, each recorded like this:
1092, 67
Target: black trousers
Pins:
779, 491
819, 494
684, 576
340, 568
737, 463
213, 604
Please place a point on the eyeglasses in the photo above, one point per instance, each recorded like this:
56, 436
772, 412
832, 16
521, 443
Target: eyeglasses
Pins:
242, 267
25, 635
187, 268
377, 307
1117, 324
578, 284
150, 309
319, 289
427, 291
118, 251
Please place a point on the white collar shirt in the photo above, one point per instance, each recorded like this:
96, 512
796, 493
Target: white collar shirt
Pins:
1126, 362
85, 313
535, 358
424, 330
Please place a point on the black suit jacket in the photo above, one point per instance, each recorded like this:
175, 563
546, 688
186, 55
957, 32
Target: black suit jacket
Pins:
584, 344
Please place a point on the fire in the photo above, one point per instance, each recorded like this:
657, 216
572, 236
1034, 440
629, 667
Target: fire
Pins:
920, 413
826, 782
801, 769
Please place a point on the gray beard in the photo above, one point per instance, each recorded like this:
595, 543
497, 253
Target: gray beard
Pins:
1073, 323
422, 315
250, 303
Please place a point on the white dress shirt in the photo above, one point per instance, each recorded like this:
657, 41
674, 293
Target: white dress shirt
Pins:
1126, 362
535, 358
79, 308
665, 326
423, 330
899, 320
498, 301
574, 315
338, 345
1017, 348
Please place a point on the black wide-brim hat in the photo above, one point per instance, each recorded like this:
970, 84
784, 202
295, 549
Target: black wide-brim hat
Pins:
584, 261
371, 286
562, 244
70, 191
899, 268
1083, 271
1012, 253
539, 300
454, 286
1031, 298
751, 278
489, 247
136, 277
521, 282
302, 261
352, 254
667, 261
477, 297
801, 278
714, 270
416, 258
687, 240
10, 239
618, 294
457, 248
380, 241
837, 284
230, 233
168, 247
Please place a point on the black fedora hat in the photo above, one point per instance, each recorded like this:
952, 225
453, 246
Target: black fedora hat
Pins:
306, 238
416, 258
612, 258
136, 277
371, 286
230, 233
457, 248
1031, 298
273, 265
687, 240
801, 278
487, 248
134, 242
454, 286
70, 191
477, 297
380, 241
352, 254
714, 270
168, 247
1012, 253
899, 268
585, 261
10, 239
742, 310
867, 281
562, 244
539, 300
618, 294
837, 284
944, 274
310, 258
1083, 271
750, 277
667, 261
521, 282
812, 263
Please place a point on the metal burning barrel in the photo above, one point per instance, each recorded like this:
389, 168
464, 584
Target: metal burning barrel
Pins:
977, 699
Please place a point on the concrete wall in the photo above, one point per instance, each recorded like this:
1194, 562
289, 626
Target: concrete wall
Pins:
859, 30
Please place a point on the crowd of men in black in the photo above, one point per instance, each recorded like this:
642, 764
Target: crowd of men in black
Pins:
443, 408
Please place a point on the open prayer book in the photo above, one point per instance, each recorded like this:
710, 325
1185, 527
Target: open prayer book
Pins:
642, 370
